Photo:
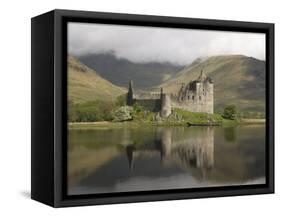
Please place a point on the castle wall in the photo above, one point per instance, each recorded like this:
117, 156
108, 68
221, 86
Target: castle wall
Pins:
197, 98
139, 96
153, 105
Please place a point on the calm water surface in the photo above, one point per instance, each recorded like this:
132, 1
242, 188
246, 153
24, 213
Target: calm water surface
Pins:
120, 160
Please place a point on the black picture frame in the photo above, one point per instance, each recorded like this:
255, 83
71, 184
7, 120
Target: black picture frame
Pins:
49, 107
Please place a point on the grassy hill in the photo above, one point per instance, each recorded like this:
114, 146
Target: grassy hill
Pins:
84, 84
120, 71
238, 80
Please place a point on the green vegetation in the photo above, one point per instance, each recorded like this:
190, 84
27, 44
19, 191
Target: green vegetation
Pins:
90, 111
104, 114
97, 110
251, 115
121, 100
230, 112
123, 113
100, 114
199, 118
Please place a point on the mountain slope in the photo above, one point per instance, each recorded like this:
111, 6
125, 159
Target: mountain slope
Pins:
84, 84
238, 80
120, 71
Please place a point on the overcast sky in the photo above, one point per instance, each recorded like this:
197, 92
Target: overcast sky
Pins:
144, 44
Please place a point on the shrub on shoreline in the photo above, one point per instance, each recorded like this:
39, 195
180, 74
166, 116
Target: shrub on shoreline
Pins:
123, 113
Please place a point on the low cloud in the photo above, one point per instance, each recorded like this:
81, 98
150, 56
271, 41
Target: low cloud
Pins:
145, 44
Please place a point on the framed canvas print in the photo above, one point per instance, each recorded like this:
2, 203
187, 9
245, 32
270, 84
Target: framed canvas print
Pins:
130, 108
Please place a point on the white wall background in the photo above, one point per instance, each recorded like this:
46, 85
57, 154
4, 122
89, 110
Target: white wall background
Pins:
15, 106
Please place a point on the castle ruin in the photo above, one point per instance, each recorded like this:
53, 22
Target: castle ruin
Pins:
196, 96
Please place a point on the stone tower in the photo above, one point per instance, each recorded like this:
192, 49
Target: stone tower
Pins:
204, 94
130, 94
166, 109
196, 96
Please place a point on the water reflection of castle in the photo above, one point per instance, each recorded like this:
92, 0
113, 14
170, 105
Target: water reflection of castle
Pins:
189, 148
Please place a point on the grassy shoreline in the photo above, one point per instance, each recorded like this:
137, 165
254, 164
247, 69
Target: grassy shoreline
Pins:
135, 124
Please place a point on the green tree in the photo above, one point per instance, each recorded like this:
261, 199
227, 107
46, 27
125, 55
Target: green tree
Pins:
90, 111
137, 108
72, 112
121, 100
230, 112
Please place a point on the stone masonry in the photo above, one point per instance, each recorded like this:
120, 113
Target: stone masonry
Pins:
196, 96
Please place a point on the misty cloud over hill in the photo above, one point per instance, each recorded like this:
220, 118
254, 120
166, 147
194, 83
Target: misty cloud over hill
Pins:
154, 44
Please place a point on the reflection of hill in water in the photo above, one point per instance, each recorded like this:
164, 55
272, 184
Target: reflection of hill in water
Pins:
177, 157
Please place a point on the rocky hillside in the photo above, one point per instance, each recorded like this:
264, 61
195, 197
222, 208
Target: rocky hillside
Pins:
238, 80
84, 84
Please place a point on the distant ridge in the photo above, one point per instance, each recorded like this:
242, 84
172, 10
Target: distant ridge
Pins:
120, 71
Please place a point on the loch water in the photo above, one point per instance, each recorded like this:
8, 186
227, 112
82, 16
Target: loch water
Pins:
157, 158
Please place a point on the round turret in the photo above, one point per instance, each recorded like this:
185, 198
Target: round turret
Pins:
165, 105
